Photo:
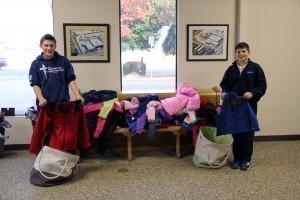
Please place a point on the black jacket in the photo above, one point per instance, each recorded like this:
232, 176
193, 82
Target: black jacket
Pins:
252, 79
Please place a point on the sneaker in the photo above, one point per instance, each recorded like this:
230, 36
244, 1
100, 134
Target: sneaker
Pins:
235, 164
245, 166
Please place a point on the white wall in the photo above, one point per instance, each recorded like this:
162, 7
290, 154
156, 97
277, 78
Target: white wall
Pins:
204, 74
274, 31
91, 75
271, 28
21, 130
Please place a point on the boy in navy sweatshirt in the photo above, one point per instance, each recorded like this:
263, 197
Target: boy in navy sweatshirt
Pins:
51, 74
246, 78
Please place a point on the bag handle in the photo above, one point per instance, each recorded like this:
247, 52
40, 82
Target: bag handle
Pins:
48, 177
215, 166
223, 162
74, 172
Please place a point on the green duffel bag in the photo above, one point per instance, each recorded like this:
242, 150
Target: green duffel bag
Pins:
211, 151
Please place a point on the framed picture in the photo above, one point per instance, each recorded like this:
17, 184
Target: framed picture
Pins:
207, 42
87, 42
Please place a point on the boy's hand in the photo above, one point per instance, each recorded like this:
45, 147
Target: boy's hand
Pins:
223, 94
79, 97
248, 95
42, 102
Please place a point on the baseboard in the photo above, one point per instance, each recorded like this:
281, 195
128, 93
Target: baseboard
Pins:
256, 139
16, 147
276, 138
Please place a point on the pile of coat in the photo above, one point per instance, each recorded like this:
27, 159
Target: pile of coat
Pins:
104, 112
3, 124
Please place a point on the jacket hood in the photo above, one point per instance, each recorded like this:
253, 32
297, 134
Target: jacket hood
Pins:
186, 90
41, 58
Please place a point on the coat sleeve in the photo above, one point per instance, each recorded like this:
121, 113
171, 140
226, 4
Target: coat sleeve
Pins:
34, 75
193, 103
225, 83
140, 123
83, 137
260, 84
70, 75
41, 129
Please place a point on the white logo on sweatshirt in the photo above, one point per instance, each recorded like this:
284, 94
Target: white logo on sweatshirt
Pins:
55, 69
45, 70
51, 70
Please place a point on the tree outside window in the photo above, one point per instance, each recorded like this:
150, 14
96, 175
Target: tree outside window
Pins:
148, 45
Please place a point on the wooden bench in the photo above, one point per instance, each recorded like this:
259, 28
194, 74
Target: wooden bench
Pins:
212, 94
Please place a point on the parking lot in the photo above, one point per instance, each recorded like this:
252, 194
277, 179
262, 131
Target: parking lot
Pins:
15, 89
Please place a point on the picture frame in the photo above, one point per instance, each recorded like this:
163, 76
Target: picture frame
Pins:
207, 42
86, 42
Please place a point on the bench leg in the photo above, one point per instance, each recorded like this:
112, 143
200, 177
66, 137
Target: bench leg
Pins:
178, 146
129, 148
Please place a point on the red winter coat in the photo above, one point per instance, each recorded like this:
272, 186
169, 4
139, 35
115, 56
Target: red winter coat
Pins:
64, 125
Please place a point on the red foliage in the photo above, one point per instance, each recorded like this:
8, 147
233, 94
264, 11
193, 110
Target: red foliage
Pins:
131, 10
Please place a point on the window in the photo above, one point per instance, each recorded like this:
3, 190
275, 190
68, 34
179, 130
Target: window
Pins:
22, 26
148, 45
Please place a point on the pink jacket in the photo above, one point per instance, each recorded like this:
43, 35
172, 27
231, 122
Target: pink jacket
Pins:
130, 105
186, 97
150, 112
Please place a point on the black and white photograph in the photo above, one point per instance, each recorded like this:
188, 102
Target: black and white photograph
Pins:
87, 42
207, 42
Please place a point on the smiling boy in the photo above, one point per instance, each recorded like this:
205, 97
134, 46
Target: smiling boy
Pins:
245, 78
51, 74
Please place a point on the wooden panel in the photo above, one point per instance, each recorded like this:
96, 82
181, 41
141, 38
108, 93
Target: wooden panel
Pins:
213, 94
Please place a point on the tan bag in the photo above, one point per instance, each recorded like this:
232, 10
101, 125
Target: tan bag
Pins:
211, 151
53, 167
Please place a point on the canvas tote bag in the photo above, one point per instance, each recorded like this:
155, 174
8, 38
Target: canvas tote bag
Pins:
53, 167
211, 151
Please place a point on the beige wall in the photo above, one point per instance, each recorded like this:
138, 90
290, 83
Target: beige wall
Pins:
91, 75
204, 74
271, 28
273, 32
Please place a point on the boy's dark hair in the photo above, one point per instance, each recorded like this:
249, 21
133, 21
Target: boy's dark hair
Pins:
242, 45
48, 37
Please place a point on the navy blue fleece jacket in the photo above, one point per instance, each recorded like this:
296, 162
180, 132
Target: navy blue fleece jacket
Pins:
53, 76
252, 79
